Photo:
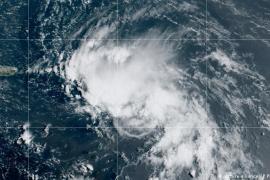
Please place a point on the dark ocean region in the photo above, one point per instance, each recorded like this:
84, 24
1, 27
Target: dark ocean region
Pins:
54, 126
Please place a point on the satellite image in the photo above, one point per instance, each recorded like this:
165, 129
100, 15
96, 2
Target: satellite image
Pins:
134, 89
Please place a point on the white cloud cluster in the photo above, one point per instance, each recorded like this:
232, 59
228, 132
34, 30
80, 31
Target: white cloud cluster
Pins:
134, 84
202, 151
137, 83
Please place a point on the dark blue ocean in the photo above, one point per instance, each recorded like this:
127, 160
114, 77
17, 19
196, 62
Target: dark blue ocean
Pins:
223, 48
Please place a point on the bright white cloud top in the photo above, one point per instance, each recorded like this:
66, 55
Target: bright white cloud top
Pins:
139, 84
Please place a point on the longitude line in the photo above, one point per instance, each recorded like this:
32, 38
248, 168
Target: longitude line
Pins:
117, 137
206, 65
28, 104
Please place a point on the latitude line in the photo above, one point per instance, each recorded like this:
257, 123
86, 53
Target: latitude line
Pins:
138, 39
110, 127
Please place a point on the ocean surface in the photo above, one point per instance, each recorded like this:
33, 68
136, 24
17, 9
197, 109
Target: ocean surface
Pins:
135, 89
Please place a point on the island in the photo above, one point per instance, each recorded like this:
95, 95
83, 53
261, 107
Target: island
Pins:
7, 70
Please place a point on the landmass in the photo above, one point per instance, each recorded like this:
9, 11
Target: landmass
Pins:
7, 70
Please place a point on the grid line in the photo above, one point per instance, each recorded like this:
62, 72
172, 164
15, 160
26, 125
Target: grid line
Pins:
117, 134
182, 127
111, 127
28, 90
206, 63
138, 39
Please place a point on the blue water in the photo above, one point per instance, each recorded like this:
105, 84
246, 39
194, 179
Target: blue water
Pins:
57, 27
